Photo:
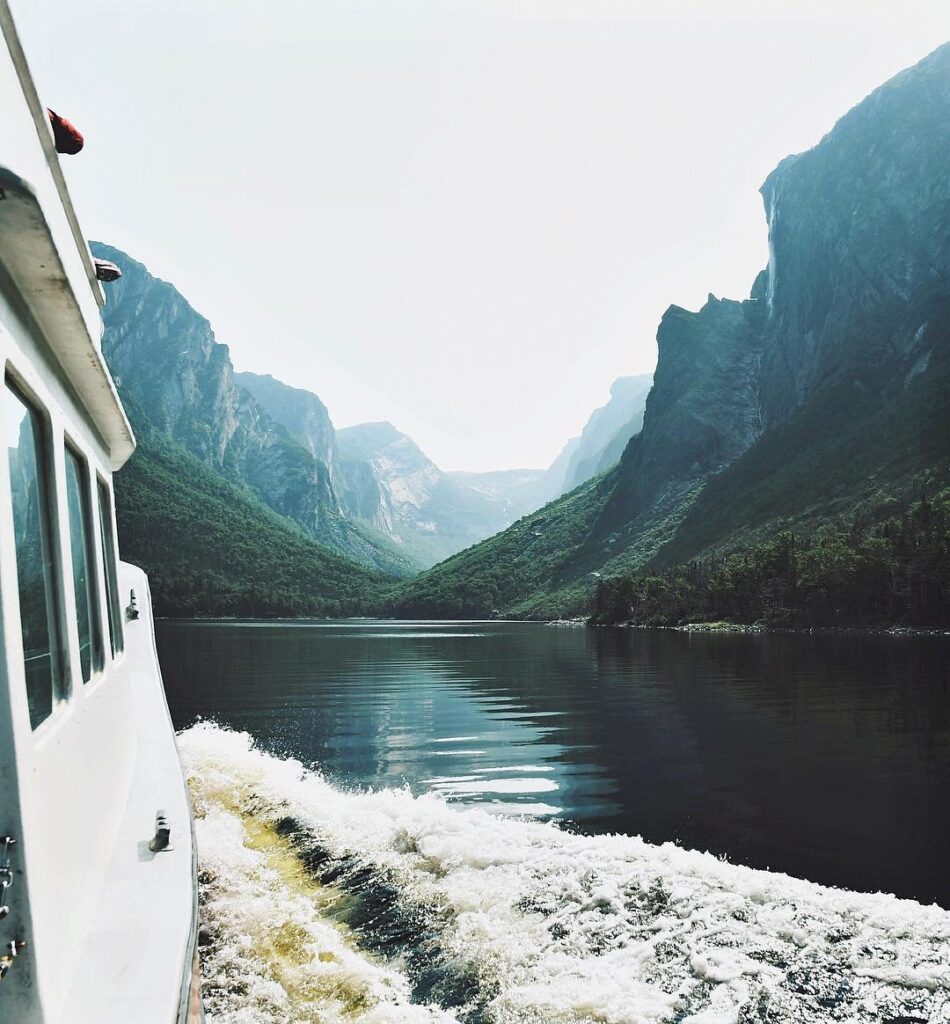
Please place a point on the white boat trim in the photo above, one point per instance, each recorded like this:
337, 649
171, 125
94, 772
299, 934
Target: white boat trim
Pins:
29, 255
43, 130
136, 963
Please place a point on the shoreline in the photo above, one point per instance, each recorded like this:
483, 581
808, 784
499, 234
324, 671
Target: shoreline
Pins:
580, 622
760, 628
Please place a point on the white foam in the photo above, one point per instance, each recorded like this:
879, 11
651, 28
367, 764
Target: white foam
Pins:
558, 927
469, 784
274, 958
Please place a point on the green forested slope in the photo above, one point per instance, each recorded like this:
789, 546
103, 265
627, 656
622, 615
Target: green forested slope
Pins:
822, 471
211, 548
797, 409
836, 455
883, 564
531, 569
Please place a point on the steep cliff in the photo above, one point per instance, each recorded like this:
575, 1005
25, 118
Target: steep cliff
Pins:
829, 383
392, 486
405, 478
172, 371
383, 482
702, 412
859, 230
211, 548
607, 432
300, 412
852, 387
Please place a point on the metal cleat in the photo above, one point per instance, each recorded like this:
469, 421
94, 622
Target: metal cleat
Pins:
162, 840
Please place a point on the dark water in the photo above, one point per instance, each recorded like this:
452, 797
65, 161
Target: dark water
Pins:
825, 757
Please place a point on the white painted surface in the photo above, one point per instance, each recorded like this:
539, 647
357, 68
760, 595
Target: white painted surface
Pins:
137, 944
109, 926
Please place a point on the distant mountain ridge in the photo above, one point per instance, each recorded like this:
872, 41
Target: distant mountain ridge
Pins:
829, 384
606, 433
425, 510
366, 492
385, 483
518, 491
173, 372
210, 547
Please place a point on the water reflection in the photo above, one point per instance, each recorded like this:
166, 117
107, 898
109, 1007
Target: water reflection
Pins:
828, 757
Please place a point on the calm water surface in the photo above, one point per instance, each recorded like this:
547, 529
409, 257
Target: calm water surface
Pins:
826, 757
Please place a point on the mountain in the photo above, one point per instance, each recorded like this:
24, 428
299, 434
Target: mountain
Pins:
432, 515
384, 482
427, 513
597, 448
556, 475
177, 379
824, 390
605, 435
300, 412
367, 493
211, 547
517, 491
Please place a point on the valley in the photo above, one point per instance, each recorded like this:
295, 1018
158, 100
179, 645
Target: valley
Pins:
817, 408
820, 398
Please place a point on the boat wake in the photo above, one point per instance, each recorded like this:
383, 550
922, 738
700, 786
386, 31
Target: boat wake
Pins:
320, 904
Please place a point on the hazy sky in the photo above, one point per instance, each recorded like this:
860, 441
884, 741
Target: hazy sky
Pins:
466, 218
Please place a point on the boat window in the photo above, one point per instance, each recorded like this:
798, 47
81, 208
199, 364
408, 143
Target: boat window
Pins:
107, 538
27, 452
84, 581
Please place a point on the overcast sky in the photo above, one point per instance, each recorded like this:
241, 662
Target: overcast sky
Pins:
465, 218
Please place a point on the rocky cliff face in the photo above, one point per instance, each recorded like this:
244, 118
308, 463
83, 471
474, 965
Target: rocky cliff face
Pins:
702, 411
859, 225
408, 477
830, 380
387, 481
171, 371
394, 487
859, 242
382, 481
608, 431
300, 412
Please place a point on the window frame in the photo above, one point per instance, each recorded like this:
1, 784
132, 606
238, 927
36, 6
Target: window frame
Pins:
105, 504
57, 625
97, 659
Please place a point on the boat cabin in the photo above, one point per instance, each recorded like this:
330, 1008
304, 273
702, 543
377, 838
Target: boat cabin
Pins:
98, 911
